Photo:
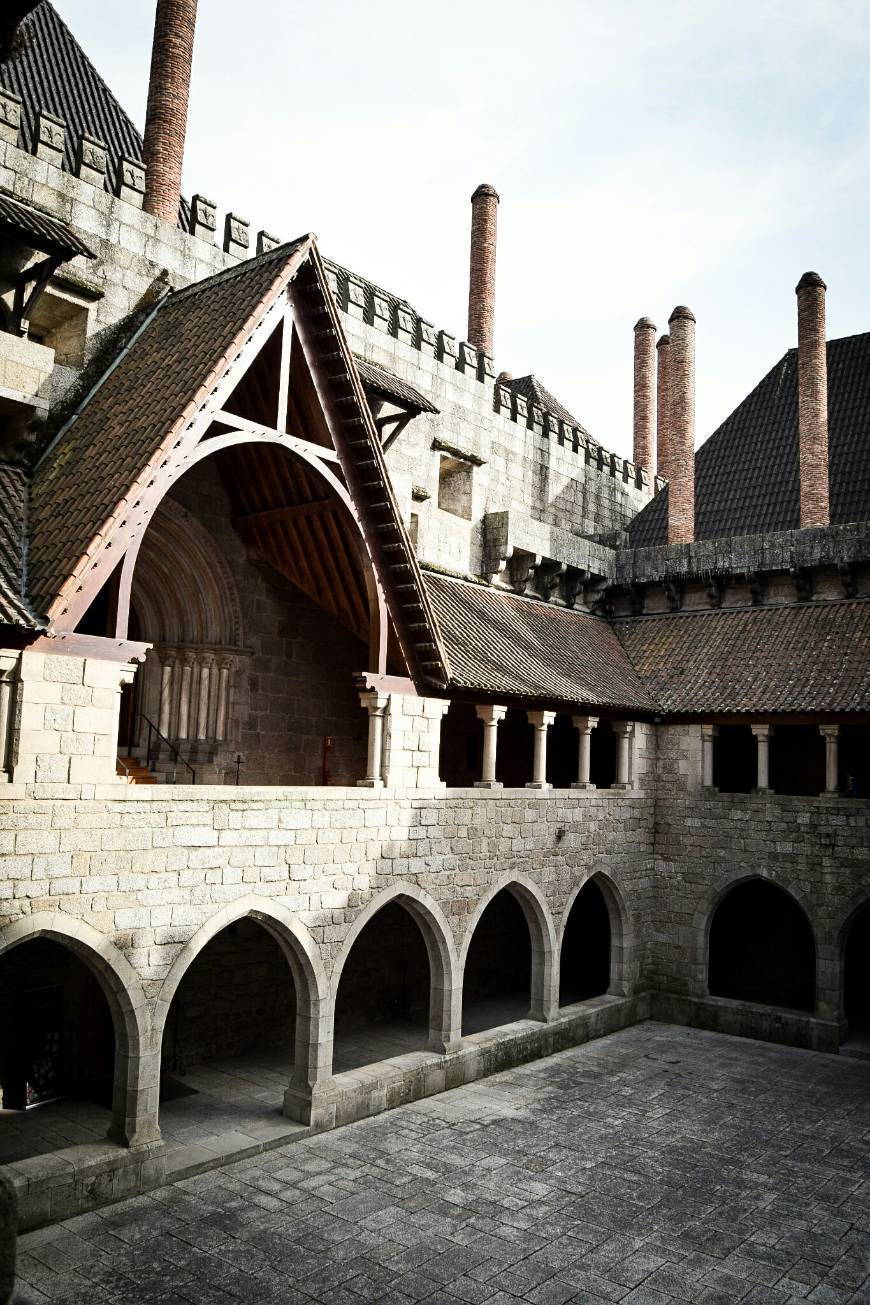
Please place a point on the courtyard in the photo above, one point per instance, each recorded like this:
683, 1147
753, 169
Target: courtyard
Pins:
656, 1165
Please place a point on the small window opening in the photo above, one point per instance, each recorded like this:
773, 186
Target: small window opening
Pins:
454, 487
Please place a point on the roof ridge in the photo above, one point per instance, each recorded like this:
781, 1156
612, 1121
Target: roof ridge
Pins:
240, 269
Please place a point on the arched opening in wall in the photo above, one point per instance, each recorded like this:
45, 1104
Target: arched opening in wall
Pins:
228, 1040
735, 759
496, 984
513, 766
57, 1051
562, 752
602, 755
797, 760
853, 756
856, 978
382, 1004
586, 947
460, 755
761, 948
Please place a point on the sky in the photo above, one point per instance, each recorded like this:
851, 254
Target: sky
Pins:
647, 153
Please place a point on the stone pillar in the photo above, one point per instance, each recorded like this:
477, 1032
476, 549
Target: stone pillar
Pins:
481, 279
540, 722
376, 706
644, 393
308, 1099
831, 735
136, 1096
167, 684
185, 693
681, 435
812, 401
624, 731
490, 715
663, 395
166, 114
223, 698
762, 736
204, 695
708, 735
8, 1233
584, 725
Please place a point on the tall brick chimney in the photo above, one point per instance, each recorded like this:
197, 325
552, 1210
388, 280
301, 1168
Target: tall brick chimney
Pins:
166, 118
812, 401
481, 279
663, 399
681, 437
644, 392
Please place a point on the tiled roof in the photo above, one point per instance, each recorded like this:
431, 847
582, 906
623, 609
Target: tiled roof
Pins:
393, 387
505, 645
83, 480
746, 474
41, 231
534, 392
812, 657
52, 72
14, 609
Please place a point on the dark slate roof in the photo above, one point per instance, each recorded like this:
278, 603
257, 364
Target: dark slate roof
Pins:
14, 609
85, 477
812, 657
746, 474
392, 387
534, 392
39, 230
52, 72
507, 646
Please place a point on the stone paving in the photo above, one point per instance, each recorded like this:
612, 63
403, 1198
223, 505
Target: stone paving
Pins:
656, 1165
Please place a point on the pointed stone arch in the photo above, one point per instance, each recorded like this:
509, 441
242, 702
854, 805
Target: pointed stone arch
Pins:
544, 994
621, 931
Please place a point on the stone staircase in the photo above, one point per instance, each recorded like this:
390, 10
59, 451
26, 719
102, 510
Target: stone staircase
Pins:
134, 771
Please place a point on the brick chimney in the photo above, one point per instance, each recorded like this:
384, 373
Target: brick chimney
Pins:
681, 436
166, 118
481, 279
644, 392
663, 398
812, 401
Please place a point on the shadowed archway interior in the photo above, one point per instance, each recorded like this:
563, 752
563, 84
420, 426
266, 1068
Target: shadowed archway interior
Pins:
761, 948
586, 947
856, 976
496, 987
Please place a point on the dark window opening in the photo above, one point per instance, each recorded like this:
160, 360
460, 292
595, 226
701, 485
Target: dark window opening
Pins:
856, 976
496, 985
797, 760
853, 755
735, 759
513, 766
762, 949
562, 752
459, 760
602, 755
382, 1007
585, 963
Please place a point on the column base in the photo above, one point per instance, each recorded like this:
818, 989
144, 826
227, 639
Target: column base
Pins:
762, 792
831, 793
370, 783
709, 788
623, 788
584, 784
488, 783
314, 1108
540, 787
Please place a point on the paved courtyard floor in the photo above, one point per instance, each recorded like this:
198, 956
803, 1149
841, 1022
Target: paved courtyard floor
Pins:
656, 1165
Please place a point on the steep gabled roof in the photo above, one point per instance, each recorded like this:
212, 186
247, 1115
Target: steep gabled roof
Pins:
52, 72
97, 484
746, 474
506, 646
812, 657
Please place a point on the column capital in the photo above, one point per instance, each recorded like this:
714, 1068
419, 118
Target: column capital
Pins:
586, 724
541, 720
829, 731
709, 731
375, 703
490, 713
762, 731
623, 728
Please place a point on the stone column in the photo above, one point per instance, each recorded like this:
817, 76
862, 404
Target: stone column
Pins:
490, 715
225, 665
136, 1095
188, 660
204, 696
831, 735
762, 735
167, 683
584, 725
540, 722
624, 731
376, 706
309, 1099
708, 735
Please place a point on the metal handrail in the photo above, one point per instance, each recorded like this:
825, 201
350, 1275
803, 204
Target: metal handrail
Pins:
175, 754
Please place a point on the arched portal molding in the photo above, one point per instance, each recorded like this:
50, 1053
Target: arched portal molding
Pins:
703, 917
429, 917
542, 935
